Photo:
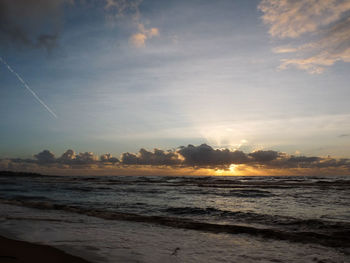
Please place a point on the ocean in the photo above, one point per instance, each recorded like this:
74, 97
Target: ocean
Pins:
181, 219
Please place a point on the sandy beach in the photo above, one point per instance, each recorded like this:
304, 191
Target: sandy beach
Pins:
14, 251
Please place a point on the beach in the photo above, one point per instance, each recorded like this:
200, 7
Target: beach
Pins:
15, 251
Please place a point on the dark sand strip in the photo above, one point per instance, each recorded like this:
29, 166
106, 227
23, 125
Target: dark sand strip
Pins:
14, 251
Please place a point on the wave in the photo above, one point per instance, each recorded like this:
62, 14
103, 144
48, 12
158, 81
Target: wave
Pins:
340, 238
40, 219
31, 197
250, 193
273, 220
244, 193
207, 181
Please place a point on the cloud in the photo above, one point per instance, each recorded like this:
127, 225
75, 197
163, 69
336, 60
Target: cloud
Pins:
31, 23
129, 158
292, 18
333, 46
157, 157
205, 155
323, 26
264, 156
281, 50
67, 157
45, 157
38, 23
312, 162
107, 158
295, 162
185, 157
138, 40
85, 158
118, 9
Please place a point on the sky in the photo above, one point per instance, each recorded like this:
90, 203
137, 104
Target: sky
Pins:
117, 76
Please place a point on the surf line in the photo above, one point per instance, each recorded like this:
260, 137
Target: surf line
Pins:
28, 88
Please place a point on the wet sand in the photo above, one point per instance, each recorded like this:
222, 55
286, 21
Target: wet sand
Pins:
14, 251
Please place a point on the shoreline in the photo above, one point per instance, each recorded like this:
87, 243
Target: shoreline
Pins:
97, 240
16, 251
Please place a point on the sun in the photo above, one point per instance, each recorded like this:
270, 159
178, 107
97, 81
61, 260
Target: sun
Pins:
230, 171
232, 168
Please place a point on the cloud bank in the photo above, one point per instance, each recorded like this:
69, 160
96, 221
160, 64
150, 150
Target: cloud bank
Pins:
323, 26
194, 157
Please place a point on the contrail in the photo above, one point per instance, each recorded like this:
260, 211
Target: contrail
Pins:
28, 88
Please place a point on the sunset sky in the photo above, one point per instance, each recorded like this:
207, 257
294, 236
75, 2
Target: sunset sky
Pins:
247, 76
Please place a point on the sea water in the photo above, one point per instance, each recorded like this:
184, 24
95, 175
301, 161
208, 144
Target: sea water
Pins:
181, 219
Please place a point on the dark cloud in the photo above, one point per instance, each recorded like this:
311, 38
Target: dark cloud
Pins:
67, 157
157, 157
303, 159
45, 157
205, 155
20, 160
129, 158
85, 158
330, 162
107, 158
31, 23
343, 135
287, 162
264, 156
202, 156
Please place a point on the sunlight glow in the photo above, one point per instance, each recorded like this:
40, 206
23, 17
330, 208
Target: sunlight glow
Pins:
223, 136
230, 171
